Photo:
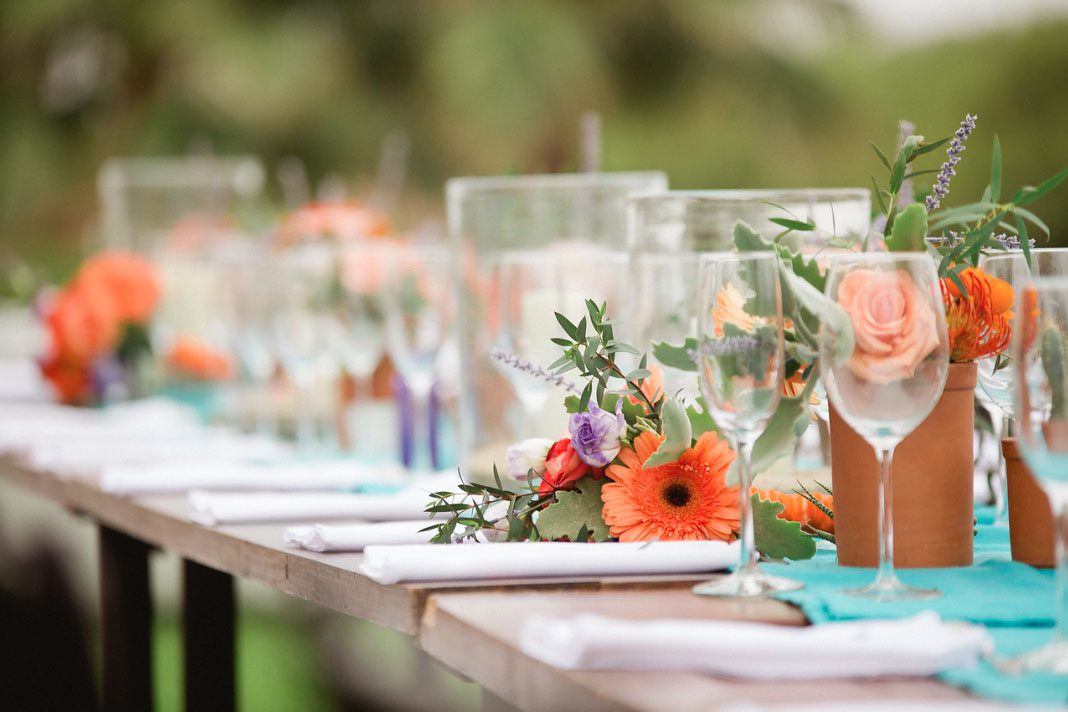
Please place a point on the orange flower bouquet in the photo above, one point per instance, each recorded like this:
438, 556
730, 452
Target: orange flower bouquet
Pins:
637, 465
97, 327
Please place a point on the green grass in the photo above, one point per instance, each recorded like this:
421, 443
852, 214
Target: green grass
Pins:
277, 665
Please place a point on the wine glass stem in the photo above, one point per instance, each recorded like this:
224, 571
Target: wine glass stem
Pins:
421, 455
749, 555
885, 457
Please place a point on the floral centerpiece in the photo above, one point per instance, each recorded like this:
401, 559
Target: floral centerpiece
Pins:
97, 328
637, 465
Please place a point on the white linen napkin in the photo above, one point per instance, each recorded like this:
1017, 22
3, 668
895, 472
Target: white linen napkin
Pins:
87, 457
920, 645
450, 562
126, 478
212, 508
354, 537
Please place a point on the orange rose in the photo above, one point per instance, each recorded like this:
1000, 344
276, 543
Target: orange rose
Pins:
563, 468
82, 323
130, 280
71, 380
192, 359
893, 323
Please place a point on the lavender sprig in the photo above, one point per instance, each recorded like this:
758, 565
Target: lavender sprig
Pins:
1012, 242
940, 189
532, 369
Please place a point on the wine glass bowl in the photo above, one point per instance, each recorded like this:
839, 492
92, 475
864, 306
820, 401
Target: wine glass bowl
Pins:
884, 358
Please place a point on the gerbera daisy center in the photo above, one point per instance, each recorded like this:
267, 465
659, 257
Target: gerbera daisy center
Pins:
677, 494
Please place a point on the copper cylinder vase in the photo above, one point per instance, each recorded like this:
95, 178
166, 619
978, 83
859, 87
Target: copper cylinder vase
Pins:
1030, 516
933, 501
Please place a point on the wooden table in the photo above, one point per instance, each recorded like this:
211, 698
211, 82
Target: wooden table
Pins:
470, 627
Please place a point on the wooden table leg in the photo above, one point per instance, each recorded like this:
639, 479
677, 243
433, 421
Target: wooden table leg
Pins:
126, 622
208, 611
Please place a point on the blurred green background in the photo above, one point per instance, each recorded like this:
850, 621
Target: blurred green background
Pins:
719, 93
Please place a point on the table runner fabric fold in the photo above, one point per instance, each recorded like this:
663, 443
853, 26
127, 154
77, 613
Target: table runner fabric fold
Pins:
501, 560
915, 646
355, 537
1014, 601
212, 508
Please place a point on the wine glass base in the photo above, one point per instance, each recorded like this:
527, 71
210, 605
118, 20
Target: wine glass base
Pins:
886, 589
749, 584
1051, 658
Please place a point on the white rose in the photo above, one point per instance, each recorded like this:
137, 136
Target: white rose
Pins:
528, 455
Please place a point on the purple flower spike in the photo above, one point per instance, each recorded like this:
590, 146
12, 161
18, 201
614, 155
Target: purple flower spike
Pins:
940, 189
595, 434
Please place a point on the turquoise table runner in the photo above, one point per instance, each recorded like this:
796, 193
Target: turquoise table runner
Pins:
1015, 601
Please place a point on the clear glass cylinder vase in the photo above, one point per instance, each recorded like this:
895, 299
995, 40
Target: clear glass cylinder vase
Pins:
580, 214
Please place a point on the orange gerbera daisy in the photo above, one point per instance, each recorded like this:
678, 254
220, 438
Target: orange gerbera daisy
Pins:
685, 499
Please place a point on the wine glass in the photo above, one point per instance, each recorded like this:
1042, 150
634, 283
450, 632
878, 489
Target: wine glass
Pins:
884, 356
740, 371
1040, 372
360, 337
247, 309
996, 390
306, 282
420, 309
532, 286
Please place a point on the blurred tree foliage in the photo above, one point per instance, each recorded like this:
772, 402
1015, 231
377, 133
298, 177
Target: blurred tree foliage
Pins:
731, 93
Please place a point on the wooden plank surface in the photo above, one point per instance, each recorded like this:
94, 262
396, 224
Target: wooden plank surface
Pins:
472, 627
255, 552
476, 634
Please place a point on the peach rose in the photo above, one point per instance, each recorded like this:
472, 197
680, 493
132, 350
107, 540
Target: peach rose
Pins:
893, 323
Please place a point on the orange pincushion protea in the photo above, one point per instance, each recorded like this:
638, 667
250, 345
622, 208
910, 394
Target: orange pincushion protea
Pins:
685, 499
979, 324
193, 359
796, 508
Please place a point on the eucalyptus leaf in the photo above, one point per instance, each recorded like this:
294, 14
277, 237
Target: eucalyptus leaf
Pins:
995, 171
831, 315
678, 436
679, 357
794, 224
574, 510
786, 425
747, 239
1030, 194
909, 233
779, 538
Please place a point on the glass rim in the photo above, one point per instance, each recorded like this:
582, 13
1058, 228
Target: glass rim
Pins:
521, 183
731, 256
536, 255
1004, 254
746, 195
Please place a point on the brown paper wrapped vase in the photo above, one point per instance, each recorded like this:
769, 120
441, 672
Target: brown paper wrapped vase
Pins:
932, 485
1030, 516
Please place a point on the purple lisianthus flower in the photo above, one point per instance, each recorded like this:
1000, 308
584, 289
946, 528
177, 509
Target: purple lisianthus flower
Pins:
595, 434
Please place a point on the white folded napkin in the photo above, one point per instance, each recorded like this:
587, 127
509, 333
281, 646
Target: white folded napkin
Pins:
128, 478
451, 562
89, 456
212, 508
354, 537
920, 645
